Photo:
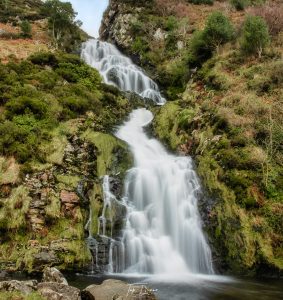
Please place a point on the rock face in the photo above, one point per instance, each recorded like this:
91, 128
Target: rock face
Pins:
116, 289
117, 23
23, 287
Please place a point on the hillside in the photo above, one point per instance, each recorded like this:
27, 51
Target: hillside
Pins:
55, 144
225, 111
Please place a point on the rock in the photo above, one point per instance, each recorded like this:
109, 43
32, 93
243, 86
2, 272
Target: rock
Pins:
24, 287
44, 258
54, 275
58, 291
159, 35
180, 45
69, 197
3, 275
116, 289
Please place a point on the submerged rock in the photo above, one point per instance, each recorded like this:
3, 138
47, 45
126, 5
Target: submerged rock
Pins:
116, 289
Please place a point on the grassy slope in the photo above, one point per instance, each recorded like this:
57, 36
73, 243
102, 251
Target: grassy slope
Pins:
229, 117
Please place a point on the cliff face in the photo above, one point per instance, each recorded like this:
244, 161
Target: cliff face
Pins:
225, 111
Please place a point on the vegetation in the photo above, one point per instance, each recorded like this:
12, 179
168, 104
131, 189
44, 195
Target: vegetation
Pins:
62, 24
222, 73
255, 36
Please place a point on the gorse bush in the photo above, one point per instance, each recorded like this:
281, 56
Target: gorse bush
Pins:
255, 36
25, 29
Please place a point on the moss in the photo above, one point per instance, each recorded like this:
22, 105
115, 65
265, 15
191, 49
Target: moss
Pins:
68, 180
108, 146
9, 170
53, 209
13, 213
166, 124
19, 296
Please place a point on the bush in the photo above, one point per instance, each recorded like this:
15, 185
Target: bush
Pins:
43, 58
239, 4
218, 30
255, 36
25, 29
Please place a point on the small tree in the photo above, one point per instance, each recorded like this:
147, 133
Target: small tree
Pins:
255, 36
61, 20
25, 29
218, 30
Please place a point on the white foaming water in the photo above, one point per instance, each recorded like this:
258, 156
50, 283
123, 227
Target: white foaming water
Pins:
163, 232
118, 70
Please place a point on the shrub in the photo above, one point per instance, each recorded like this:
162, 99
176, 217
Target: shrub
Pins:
239, 4
25, 29
43, 58
218, 30
255, 36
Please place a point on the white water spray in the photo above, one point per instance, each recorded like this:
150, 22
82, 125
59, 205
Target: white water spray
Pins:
117, 69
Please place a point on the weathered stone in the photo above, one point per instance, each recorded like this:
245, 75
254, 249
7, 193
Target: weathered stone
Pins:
24, 287
159, 35
58, 291
54, 275
44, 258
69, 197
116, 289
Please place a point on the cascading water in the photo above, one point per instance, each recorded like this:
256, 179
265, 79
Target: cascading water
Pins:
163, 229
118, 70
163, 233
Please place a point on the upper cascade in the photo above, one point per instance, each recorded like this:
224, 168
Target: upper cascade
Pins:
118, 70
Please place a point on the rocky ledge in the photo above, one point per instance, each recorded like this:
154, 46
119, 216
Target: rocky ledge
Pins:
54, 286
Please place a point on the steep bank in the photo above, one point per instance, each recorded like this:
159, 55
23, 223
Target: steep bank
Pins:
225, 113
56, 124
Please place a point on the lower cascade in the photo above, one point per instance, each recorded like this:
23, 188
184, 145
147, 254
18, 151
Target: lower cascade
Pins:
163, 228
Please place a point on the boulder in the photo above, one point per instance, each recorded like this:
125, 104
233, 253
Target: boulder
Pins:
58, 291
24, 287
116, 289
54, 275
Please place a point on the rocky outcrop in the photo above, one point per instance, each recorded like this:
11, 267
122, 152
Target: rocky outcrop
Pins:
116, 289
117, 23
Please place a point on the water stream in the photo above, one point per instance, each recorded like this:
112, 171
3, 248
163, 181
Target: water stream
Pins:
163, 233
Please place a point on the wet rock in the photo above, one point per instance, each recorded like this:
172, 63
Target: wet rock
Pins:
58, 291
54, 275
24, 287
116, 289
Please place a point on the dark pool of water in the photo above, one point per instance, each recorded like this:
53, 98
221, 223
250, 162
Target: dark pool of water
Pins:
197, 287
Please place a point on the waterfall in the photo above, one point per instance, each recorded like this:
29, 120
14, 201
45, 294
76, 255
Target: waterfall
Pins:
162, 232
118, 70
